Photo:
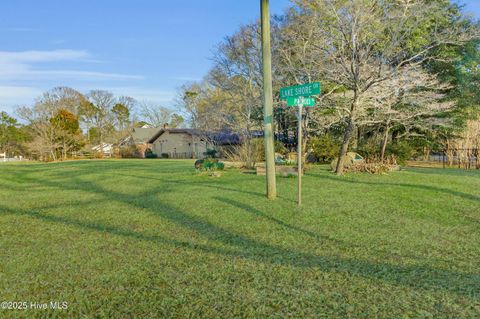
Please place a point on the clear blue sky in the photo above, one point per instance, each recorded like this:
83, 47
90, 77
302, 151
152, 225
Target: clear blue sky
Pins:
142, 48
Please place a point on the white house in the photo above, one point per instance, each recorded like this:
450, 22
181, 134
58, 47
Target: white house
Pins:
105, 148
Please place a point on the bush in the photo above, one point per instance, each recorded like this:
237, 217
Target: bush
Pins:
325, 148
128, 152
98, 155
402, 151
164, 155
372, 168
251, 152
370, 149
210, 153
150, 154
209, 164
259, 147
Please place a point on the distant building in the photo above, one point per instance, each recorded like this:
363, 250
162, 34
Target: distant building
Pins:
105, 148
179, 143
189, 143
139, 138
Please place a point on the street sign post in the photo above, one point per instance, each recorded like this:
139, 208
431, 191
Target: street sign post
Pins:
299, 95
299, 153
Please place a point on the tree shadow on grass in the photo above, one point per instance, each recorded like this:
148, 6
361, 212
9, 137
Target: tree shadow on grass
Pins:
420, 277
199, 183
251, 210
457, 172
404, 185
230, 244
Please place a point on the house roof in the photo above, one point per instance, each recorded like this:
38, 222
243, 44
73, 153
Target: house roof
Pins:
220, 138
103, 146
142, 135
159, 132
139, 135
225, 138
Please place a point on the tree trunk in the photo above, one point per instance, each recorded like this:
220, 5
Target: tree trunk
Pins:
54, 157
384, 142
426, 153
355, 135
449, 154
249, 161
344, 148
347, 136
64, 150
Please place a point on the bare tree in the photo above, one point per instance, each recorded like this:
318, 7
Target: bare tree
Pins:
123, 111
98, 112
410, 99
39, 117
359, 44
206, 107
155, 114
466, 145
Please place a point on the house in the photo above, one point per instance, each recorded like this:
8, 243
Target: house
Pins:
106, 149
139, 138
188, 143
179, 143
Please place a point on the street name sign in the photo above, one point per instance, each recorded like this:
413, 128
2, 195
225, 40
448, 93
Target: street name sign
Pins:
307, 89
300, 101
299, 95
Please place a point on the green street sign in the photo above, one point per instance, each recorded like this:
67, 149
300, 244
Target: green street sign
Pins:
300, 101
300, 90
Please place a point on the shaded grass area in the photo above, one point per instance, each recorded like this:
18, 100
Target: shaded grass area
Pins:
149, 238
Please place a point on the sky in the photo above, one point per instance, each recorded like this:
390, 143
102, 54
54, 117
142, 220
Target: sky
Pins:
145, 49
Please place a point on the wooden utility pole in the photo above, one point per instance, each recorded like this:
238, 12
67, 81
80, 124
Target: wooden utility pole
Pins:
268, 101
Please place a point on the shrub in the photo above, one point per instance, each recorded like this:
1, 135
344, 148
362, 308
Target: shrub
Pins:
164, 155
251, 152
128, 152
372, 168
210, 153
150, 154
402, 151
280, 147
259, 147
325, 148
370, 149
209, 164
98, 155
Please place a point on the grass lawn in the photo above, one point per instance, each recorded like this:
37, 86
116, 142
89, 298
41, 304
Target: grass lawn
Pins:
150, 238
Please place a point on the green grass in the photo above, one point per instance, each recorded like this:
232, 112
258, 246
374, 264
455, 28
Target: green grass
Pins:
150, 238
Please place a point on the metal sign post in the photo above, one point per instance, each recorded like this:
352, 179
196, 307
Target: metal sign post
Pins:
299, 95
299, 152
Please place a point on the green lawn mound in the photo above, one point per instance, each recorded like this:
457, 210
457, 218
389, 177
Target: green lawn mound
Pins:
154, 239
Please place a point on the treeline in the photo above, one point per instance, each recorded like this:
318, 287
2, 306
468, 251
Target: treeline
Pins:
64, 122
399, 78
